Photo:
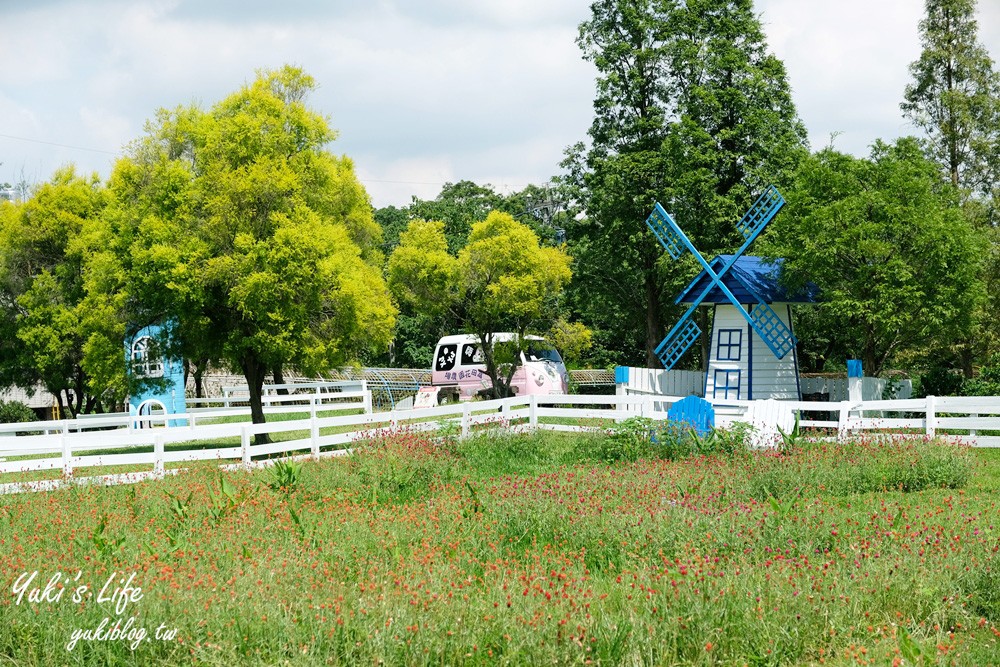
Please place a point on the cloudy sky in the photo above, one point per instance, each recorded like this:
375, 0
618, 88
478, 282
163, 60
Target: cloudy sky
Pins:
422, 93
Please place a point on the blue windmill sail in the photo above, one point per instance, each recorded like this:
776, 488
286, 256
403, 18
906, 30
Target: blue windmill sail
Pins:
764, 321
762, 212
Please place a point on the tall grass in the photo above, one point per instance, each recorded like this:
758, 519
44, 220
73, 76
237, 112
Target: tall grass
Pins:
529, 549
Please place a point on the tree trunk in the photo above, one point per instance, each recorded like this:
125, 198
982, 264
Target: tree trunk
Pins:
199, 370
59, 405
254, 372
966, 356
279, 378
654, 329
80, 392
705, 338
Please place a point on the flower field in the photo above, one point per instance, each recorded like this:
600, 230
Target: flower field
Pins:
518, 549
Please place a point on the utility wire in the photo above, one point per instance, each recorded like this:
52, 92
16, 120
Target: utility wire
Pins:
52, 143
98, 150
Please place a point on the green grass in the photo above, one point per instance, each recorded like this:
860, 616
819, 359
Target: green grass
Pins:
528, 549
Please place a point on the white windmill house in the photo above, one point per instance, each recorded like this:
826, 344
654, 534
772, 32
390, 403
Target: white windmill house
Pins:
752, 351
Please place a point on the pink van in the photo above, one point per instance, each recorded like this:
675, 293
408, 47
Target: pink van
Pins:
459, 372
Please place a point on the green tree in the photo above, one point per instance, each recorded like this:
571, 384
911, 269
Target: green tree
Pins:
691, 111
424, 278
885, 240
501, 280
546, 210
44, 322
239, 226
955, 96
457, 206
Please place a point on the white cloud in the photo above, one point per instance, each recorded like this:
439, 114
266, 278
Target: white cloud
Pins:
847, 64
424, 93
396, 181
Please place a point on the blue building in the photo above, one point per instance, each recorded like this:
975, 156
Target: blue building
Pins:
741, 365
145, 361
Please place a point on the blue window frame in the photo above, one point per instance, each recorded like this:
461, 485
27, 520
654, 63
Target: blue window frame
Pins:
729, 345
727, 384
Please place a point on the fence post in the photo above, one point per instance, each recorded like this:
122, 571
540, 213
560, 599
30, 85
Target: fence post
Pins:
314, 431
465, 419
842, 421
367, 397
972, 431
533, 411
930, 421
245, 445
67, 452
158, 469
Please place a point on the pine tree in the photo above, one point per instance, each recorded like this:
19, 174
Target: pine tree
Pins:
692, 111
955, 96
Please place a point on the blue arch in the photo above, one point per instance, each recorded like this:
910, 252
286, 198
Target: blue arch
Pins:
143, 360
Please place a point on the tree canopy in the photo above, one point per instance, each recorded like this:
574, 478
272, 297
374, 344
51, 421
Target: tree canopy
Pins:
240, 226
955, 96
501, 280
884, 238
43, 320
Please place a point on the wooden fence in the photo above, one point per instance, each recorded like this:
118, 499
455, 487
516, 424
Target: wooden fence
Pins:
81, 444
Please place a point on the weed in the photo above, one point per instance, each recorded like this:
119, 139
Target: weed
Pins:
104, 545
285, 475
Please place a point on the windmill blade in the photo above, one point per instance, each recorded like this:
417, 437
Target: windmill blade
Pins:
769, 327
667, 232
676, 343
761, 213
765, 322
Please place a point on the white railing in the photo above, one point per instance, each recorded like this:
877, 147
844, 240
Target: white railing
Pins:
274, 393
69, 450
13, 437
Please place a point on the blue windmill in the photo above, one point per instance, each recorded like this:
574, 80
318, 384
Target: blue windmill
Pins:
753, 347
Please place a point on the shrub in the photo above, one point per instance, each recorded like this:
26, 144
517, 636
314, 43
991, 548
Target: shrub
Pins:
987, 382
400, 466
941, 381
638, 437
500, 451
628, 440
861, 466
15, 412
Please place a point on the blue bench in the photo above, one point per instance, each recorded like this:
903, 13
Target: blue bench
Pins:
693, 412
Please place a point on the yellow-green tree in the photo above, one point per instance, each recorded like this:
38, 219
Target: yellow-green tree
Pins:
238, 225
44, 324
502, 280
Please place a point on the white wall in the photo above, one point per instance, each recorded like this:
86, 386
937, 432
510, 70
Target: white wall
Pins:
659, 382
871, 388
771, 377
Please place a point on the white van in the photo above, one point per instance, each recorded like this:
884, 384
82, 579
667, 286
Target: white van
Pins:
459, 370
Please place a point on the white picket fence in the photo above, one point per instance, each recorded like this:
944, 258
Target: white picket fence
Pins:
78, 445
660, 382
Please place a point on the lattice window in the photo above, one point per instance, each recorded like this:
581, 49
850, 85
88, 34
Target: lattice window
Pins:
729, 345
145, 361
727, 384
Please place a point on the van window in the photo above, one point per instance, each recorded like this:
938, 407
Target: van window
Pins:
538, 350
446, 356
471, 354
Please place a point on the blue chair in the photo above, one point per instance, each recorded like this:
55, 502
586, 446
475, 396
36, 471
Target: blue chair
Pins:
693, 412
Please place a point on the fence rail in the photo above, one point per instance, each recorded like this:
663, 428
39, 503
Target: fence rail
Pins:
79, 445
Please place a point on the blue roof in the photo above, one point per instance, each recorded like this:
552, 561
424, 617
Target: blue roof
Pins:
751, 279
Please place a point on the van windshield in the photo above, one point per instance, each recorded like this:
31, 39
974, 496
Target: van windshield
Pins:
538, 350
